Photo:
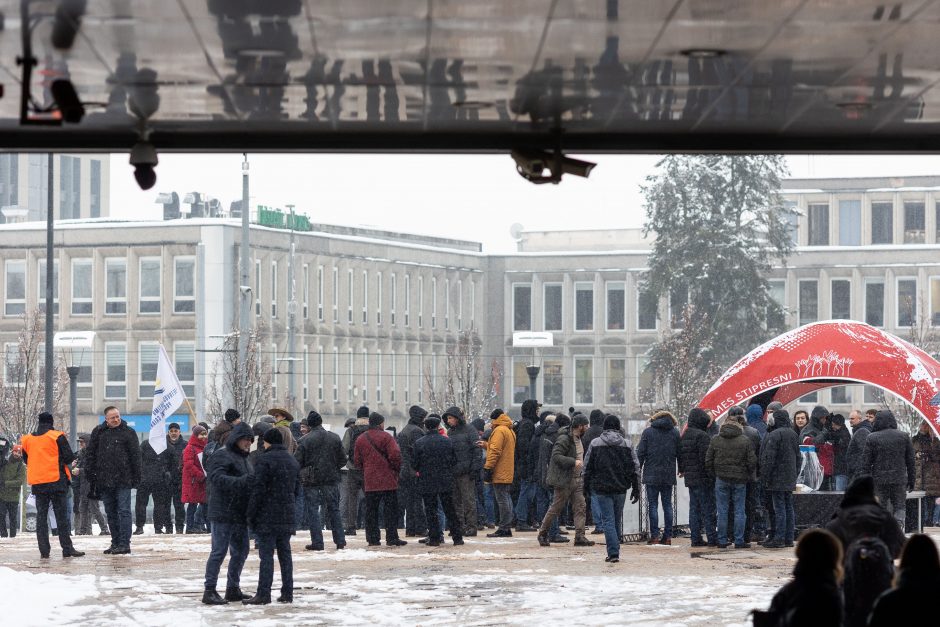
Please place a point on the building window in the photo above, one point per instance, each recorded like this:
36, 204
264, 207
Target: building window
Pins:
553, 382
616, 381
407, 300
521, 307
365, 297
678, 300
349, 375
809, 301
446, 304
55, 286
305, 292
935, 301
778, 292
873, 395
875, 303
914, 229
646, 305
70, 187
420, 377
520, 381
184, 285
335, 295
552, 305
616, 306
840, 395
15, 289
584, 306
583, 381
258, 288
82, 287
818, 225
350, 291
420, 304
378, 376
274, 291
365, 376
306, 373
645, 392
433, 302
393, 299
184, 360
95, 196
147, 357
407, 375
320, 293
115, 362
809, 399
9, 180
882, 223
335, 374
394, 378
907, 302
320, 373
841, 299
850, 222
378, 298
459, 304
274, 364
84, 390
115, 286
149, 289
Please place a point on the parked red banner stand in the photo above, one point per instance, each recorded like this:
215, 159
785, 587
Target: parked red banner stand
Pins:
828, 354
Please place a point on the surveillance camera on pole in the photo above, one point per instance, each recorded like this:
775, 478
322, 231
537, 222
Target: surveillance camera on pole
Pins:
533, 164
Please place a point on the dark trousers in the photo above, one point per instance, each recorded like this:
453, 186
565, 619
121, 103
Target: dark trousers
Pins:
89, 510
465, 502
161, 510
60, 507
784, 528
445, 499
504, 503
231, 539
416, 523
179, 509
140, 505
326, 496
10, 510
702, 513
754, 510
117, 506
389, 501
267, 544
353, 490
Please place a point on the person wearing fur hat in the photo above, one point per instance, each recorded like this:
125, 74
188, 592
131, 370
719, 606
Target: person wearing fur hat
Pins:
469, 464
658, 454
320, 455
731, 460
353, 491
693, 445
812, 598
378, 456
409, 497
47, 455
889, 459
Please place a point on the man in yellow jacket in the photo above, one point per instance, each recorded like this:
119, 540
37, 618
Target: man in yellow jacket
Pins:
498, 469
47, 455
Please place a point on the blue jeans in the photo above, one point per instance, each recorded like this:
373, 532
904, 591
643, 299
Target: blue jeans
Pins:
543, 500
725, 494
267, 544
783, 516
596, 513
841, 482
195, 516
702, 513
328, 497
231, 538
654, 494
527, 490
610, 508
490, 497
117, 507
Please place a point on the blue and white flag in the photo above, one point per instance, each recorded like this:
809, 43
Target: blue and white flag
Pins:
168, 395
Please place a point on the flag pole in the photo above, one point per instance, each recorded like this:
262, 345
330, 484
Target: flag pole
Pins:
192, 414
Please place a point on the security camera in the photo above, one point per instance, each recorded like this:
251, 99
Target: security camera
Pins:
144, 159
532, 165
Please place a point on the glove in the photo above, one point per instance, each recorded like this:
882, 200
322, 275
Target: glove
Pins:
634, 496
487, 475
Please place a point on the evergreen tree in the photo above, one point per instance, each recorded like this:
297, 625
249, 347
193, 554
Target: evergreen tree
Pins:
720, 224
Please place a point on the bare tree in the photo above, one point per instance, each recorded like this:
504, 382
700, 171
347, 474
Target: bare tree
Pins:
23, 385
226, 389
466, 383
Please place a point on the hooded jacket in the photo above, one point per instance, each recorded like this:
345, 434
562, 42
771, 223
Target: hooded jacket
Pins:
464, 438
546, 443
275, 487
811, 599
562, 460
889, 454
815, 429
321, 457
853, 458
755, 419
230, 479
500, 450
905, 603
595, 429
927, 463
433, 461
412, 432
693, 445
194, 476
349, 441
609, 466
658, 451
780, 458
524, 432
113, 458
730, 456
861, 515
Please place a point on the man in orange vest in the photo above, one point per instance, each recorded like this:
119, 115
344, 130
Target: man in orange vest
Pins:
47, 455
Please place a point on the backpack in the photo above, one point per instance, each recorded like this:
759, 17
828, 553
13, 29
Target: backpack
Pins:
354, 433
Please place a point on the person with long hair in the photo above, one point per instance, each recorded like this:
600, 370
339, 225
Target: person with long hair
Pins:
918, 577
812, 598
800, 420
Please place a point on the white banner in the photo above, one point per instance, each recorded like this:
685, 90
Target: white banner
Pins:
168, 395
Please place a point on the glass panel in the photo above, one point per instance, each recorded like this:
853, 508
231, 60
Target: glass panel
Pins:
778, 292
185, 286
616, 381
522, 307
841, 299
115, 286
81, 287
882, 223
616, 300
553, 385
116, 371
520, 382
583, 381
873, 395
553, 307
185, 364
875, 303
840, 395
809, 302
646, 311
810, 398
818, 225
584, 307
914, 223
148, 355
15, 288
850, 222
935, 301
907, 302
644, 381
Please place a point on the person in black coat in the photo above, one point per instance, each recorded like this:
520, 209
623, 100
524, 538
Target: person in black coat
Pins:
692, 448
860, 515
658, 453
320, 456
433, 460
274, 490
780, 462
918, 579
469, 462
609, 470
889, 458
229, 476
838, 436
861, 429
409, 498
172, 459
523, 471
595, 429
151, 482
812, 598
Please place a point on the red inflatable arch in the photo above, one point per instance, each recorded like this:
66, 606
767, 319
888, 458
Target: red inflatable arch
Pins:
827, 354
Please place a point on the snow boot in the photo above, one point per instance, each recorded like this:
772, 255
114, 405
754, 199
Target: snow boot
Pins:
258, 599
286, 598
559, 539
235, 594
139, 531
211, 597
501, 533
543, 539
581, 540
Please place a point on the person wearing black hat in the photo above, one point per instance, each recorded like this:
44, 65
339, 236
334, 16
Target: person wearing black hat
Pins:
780, 462
609, 471
219, 433
469, 464
353, 492
320, 456
378, 456
524, 470
411, 501
173, 474
47, 456
433, 463
889, 459
271, 514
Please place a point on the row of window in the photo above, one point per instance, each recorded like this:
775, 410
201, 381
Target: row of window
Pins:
82, 299
843, 395
556, 386
848, 231
906, 299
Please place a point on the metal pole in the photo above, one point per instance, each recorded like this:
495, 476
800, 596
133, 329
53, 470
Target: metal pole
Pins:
73, 406
244, 288
533, 372
50, 278
291, 313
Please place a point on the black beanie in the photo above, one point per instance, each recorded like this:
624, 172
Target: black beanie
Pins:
376, 419
496, 413
611, 423
416, 412
454, 411
314, 419
478, 424
362, 412
597, 417
273, 436
231, 415
432, 422
45, 418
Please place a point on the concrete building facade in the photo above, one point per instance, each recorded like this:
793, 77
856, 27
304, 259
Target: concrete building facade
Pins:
80, 186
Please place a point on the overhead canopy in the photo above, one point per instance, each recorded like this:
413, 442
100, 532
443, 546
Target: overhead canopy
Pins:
827, 354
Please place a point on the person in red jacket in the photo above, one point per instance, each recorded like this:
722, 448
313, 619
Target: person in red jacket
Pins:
194, 481
377, 454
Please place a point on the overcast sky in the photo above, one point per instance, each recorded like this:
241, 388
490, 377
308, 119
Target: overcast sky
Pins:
475, 197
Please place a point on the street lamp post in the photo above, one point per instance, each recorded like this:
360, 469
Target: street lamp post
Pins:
535, 341
73, 345
533, 372
73, 404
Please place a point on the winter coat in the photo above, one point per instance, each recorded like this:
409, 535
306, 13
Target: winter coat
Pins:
889, 454
730, 456
113, 458
853, 458
275, 487
534, 451
811, 599
501, 449
658, 452
927, 463
860, 515
173, 460
840, 441
321, 457
220, 432
608, 465
593, 432
465, 438
693, 445
908, 603
412, 432
194, 477
563, 457
780, 458
755, 420
230, 480
12, 480
378, 456
753, 436
433, 459
546, 444
151, 468
56, 461
522, 439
